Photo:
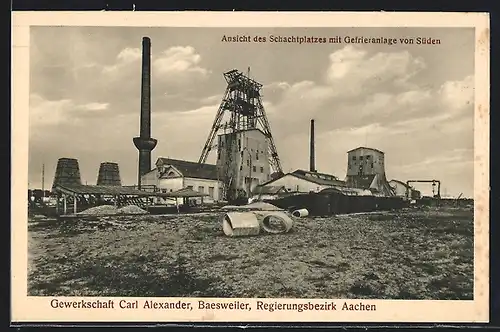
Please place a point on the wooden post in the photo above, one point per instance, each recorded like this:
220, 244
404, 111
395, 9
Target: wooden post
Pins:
177, 204
58, 197
116, 200
65, 204
74, 204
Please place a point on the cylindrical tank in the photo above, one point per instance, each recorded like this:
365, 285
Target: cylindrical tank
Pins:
67, 172
109, 175
300, 213
240, 224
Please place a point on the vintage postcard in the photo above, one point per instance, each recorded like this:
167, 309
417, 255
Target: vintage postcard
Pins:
250, 167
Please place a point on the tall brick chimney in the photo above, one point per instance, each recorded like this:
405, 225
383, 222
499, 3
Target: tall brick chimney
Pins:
144, 143
312, 160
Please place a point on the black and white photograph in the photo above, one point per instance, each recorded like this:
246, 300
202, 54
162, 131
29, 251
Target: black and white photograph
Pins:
252, 163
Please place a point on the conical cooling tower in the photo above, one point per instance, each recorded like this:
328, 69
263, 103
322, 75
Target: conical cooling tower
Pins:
109, 175
67, 172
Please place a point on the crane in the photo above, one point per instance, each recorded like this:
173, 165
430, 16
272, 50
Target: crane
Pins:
434, 183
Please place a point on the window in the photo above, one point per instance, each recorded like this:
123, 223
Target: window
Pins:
261, 169
353, 157
218, 156
254, 169
201, 189
241, 153
360, 157
257, 155
372, 164
190, 187
248, 162
164, 191
239, 144
171, 190
241, 167
368, 157
211, 192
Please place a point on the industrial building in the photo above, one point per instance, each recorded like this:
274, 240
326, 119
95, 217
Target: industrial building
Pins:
249, 155
171, 175
401, 189
366, 170
301, 181
246, 153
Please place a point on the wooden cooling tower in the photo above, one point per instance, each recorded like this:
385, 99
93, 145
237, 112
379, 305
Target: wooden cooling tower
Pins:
67, 172
109, 175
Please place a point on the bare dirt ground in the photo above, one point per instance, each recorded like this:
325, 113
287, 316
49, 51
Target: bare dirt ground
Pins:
424, 253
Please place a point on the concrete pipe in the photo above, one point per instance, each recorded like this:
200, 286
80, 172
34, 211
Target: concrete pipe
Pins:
300, 213
240, 224
275, 222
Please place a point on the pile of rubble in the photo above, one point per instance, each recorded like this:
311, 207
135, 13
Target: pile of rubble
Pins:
110, 210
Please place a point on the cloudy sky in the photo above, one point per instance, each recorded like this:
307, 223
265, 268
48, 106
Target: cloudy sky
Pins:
414, 102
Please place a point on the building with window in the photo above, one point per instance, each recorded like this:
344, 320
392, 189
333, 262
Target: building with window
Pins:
249, 157
366, 170
172, 174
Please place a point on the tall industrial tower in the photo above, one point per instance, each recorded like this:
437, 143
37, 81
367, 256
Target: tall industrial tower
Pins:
144, 143
247, 155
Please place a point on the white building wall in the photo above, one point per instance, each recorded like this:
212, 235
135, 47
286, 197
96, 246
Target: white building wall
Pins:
250, 158
206, 186
294, 184
170, 184
150, 179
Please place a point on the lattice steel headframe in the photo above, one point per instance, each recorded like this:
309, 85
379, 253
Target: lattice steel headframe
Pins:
241, 109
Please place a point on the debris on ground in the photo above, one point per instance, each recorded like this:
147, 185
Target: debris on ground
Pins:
131, 209
252, 222
110, 210
240, 224
100, 210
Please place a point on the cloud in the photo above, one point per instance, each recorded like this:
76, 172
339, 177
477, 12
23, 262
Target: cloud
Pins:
180, 60
353, 70
126, 57
458, 94
45, 112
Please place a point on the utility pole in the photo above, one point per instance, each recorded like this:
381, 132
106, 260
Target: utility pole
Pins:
43, 180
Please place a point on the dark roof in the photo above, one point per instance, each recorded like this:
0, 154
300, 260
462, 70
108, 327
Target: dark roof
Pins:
268, 189
80, 189
318, 178
185, 192
364, 147
192, 169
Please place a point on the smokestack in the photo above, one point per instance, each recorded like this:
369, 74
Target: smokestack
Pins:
144, 143
109, 175
312, 161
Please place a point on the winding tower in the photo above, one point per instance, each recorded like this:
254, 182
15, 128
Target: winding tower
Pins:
246, 152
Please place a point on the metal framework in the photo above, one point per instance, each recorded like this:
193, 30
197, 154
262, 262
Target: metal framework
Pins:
433, 182
242, 100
